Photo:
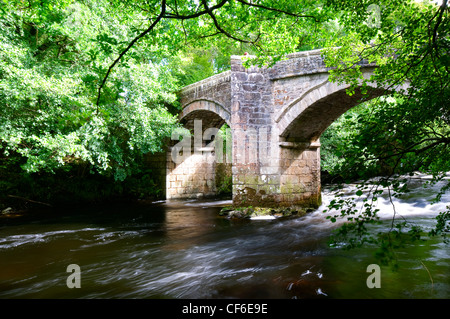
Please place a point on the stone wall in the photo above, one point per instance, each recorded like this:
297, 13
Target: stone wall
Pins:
215, 88
193, 178
198, 176
255, 181
300, 176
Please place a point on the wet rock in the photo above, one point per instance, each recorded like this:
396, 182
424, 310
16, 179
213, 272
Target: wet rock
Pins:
241, 213
7, 211
257, 212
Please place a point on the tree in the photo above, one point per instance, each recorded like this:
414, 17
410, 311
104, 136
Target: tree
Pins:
57, 54
265, 25
53, 56
408, 129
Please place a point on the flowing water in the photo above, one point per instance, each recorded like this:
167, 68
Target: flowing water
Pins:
185, 250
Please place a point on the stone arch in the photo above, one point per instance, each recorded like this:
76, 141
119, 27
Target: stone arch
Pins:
210, 112
198, 172
307, 117
300, 125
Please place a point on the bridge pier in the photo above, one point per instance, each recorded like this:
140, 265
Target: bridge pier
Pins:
268, 171
295, 182
287, 175
300, 174
194, 177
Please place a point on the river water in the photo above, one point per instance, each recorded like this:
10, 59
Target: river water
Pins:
183, 249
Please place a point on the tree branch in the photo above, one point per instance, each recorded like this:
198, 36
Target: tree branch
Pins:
277, 10
177, 16
170, 15
438, 22
218, 27
158, 18
30, 200
410, 149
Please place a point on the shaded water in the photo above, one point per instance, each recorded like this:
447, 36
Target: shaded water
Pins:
185, 250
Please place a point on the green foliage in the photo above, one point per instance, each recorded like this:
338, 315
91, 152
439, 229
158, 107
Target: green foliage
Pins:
407, 130
381, 138
82, 84
195, 66
336, 142
443, 225
51, 62
225, 185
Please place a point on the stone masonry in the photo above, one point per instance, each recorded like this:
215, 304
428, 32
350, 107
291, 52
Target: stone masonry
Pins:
206, 107
276, 116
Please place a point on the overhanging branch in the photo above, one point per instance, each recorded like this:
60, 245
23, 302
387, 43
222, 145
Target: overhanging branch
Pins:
278, 10
219, 28
150, 28
176, 15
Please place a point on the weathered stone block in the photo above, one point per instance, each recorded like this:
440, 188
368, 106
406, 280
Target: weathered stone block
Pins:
251, 179
252, 96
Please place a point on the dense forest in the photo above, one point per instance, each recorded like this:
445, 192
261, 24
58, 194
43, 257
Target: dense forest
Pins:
88, 87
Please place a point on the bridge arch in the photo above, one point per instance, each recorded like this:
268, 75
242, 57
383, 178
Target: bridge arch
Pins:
300, 124
307, 117
197, 168
210, 112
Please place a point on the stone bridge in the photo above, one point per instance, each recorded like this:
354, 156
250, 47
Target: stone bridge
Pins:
275, 118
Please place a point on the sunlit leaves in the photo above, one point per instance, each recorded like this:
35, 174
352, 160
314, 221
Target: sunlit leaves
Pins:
48, 81
407, 132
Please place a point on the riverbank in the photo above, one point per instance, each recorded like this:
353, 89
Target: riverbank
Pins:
20, 192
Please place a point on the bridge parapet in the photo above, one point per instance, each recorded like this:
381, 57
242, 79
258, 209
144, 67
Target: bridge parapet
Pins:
215, 88
298, 64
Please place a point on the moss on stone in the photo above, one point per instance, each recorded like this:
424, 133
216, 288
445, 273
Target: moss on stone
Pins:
249, 212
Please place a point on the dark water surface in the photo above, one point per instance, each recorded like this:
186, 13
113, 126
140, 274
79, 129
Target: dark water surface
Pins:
185, 250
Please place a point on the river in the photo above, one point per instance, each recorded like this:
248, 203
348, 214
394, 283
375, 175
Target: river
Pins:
183, 249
